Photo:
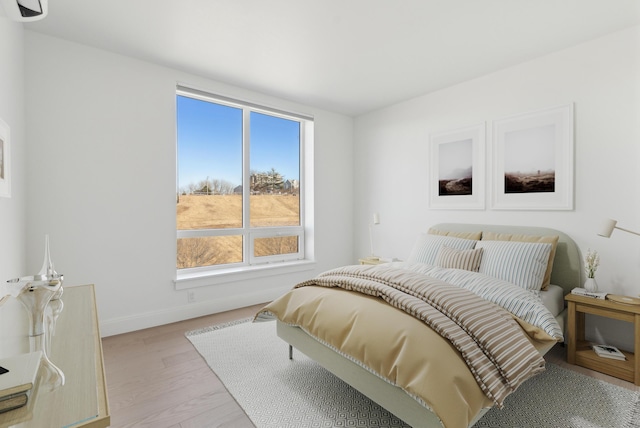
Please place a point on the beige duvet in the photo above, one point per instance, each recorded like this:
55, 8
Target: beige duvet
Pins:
393, 345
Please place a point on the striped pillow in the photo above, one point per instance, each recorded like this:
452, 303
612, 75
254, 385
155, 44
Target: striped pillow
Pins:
551, 239
427, 246
459, 259
521, 263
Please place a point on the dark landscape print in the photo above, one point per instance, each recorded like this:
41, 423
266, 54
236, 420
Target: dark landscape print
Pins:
458, 186
455, 171
529, 160
534, 182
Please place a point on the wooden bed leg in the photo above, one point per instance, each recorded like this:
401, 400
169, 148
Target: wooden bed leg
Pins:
290, 352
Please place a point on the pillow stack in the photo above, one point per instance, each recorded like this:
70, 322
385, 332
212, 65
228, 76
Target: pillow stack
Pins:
524, 260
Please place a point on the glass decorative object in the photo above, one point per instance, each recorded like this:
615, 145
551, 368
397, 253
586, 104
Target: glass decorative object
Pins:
35, 292
48, 268
51, 377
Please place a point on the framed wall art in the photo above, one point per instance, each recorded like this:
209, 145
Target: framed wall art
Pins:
5, 160
457, 172
532, 160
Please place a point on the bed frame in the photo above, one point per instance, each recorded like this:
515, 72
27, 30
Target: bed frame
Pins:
566, 273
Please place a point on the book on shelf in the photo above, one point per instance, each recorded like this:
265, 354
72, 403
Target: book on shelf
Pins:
586, 293
608, 351
17, 378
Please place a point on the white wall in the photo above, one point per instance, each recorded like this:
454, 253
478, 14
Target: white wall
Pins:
102, 179
601, 78
101, 170
12, 210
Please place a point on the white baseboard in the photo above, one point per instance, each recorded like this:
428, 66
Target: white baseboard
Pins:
191, 310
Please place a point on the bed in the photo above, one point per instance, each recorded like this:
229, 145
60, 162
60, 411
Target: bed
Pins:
394, 355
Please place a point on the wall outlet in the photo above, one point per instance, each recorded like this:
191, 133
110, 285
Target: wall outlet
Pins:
191, 296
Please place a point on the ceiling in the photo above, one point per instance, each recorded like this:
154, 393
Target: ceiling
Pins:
346, 56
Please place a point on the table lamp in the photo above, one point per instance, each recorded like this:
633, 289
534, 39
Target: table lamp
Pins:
376, 221
606, 229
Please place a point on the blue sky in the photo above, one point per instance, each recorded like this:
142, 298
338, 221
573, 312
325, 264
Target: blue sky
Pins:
210, 143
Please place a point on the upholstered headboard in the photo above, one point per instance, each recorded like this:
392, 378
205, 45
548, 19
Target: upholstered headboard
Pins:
566, 264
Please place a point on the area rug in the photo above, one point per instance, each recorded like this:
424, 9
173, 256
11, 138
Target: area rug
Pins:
276, 392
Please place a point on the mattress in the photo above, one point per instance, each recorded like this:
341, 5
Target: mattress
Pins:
553, 299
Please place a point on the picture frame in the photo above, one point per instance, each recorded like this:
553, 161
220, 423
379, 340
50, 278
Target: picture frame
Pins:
5, 160
457, 173
533, 160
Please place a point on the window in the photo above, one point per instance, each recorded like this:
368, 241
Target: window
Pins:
240, 189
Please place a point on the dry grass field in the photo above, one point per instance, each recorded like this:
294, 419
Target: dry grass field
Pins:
225, 211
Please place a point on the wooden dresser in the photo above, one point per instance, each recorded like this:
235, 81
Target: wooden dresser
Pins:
76, 349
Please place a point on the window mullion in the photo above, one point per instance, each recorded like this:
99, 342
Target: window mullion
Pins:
246, 186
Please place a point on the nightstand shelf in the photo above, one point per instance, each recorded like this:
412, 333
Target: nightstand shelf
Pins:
586, 357
579, 350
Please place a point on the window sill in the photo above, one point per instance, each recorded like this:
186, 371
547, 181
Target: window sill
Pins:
223, 276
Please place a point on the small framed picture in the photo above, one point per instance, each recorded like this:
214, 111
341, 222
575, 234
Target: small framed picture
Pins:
532, 161
5, 161
457, 168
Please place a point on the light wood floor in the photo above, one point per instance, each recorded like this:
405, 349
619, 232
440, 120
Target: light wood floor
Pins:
156, 378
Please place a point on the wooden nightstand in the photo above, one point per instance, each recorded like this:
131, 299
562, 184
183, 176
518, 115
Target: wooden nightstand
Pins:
579, 351
370, 261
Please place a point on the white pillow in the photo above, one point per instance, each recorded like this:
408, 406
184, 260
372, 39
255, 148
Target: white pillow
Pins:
521, 263
427, 246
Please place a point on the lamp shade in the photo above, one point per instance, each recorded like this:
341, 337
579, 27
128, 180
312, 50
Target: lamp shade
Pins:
606, 228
